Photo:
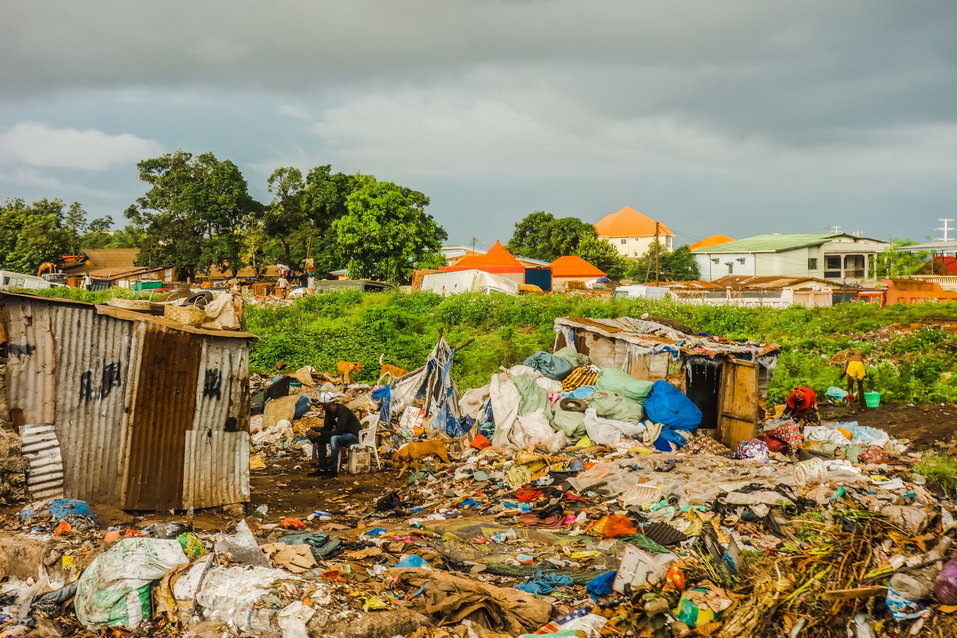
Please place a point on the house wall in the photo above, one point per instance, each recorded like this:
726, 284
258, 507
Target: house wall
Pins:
635, 247
740, 264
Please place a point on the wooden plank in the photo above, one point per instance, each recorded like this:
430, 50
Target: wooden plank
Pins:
857, 592
738, 409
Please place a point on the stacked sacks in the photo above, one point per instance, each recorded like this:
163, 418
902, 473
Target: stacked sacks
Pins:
554, 389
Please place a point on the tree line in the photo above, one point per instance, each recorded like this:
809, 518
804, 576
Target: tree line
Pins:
541, 235
197, 214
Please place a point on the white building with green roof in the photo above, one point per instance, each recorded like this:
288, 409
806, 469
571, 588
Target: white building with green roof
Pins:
838, 257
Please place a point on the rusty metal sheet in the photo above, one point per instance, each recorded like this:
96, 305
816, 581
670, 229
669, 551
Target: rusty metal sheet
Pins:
163, 408
93, 381
216, 471
42, 451
222, 388
31, 361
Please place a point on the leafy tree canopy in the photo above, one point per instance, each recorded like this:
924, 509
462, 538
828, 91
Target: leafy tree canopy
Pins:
193, 214
296, 224
31, 234
898, 263
677, 265
541, 235
603, 255
385, 232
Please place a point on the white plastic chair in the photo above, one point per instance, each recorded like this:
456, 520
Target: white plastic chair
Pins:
367, 438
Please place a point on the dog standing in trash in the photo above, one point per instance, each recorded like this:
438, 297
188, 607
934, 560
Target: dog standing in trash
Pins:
346, 369
411, 454
393, 372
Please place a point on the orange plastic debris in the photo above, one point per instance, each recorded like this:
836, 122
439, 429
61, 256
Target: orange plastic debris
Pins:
62, 528
292, 523
111, 536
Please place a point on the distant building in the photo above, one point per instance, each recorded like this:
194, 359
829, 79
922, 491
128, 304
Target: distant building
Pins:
114, 267
632, 233
572, 269
712, 240
836, 257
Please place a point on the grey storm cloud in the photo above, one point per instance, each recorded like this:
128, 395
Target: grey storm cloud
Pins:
729, 106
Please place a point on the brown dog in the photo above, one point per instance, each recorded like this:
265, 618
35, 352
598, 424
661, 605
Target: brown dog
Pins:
392, 371
346, 369
411, 454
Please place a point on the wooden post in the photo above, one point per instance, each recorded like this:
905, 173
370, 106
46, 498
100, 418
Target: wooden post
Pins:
657, 250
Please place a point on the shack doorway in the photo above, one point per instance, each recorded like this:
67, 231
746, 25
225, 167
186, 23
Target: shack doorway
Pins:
703, 387
163, 406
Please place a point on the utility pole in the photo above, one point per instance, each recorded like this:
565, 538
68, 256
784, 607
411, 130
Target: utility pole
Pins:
946, 228
657, 251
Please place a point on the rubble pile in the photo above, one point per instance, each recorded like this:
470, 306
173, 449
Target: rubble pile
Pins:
580, 502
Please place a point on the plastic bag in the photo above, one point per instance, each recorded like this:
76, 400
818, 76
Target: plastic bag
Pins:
613, 406
614, 380
669, 406
114, 590
548, 364
607, 431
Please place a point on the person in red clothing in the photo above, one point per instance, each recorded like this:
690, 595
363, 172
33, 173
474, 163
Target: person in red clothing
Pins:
802, 406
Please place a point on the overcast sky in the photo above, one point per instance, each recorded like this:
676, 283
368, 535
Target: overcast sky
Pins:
739, 117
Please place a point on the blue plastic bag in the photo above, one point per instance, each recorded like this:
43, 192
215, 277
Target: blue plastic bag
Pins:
669, 406
600, 585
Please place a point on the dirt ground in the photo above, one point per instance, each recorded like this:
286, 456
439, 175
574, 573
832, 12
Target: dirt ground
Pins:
925, 426
285, 487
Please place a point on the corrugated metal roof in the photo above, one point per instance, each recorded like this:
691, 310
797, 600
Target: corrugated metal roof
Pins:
132, 315
773, 243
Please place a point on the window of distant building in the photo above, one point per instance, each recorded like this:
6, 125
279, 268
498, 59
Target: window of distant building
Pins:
832, 266
741, 260
730, 265
624, 241
812, 263
716, 260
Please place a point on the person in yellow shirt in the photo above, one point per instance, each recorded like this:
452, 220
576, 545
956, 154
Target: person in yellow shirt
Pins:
854, 371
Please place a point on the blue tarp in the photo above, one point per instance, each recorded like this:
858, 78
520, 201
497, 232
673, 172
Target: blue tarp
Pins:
669, 406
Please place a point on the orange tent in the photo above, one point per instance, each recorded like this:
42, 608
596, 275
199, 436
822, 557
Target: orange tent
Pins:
713, 240
574, 266
496, 260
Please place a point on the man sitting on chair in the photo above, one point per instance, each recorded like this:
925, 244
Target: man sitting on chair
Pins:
340, 429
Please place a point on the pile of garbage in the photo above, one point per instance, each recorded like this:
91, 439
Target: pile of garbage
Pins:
580, 502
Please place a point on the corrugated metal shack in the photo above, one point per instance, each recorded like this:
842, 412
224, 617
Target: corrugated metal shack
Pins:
149, 414
727, 380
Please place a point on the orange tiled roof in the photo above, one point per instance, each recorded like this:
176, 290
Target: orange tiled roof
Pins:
629, 223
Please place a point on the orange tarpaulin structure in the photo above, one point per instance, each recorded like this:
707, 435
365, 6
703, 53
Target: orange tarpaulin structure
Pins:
497, 260
574, 266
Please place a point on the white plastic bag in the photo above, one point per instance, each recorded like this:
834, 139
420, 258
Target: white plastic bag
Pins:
534, 429
114, 589
609, 431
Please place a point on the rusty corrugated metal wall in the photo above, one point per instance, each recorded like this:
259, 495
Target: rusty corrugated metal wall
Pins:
148, 416
93, 382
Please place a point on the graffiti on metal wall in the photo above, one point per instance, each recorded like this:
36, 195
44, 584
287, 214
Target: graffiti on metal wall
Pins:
110, 377
213, 383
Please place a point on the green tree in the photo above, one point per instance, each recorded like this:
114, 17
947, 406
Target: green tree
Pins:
297, 224
31, 234
603, 255
676, 265
892, 262
541, 235
194, 213
99, 235
78, 230
385, 231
